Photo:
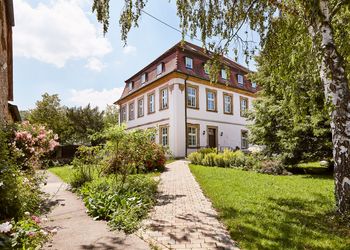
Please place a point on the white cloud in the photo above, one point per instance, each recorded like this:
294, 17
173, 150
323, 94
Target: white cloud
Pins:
129, 50
56, 32
94, 97
95, 64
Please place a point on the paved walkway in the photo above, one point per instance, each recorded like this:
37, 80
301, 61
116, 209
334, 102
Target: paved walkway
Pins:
77, 230
184, 217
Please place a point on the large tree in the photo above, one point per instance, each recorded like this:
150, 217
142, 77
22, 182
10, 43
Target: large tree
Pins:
223, 19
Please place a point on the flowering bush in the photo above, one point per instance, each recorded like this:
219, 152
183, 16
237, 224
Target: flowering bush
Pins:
24, 234
31, 143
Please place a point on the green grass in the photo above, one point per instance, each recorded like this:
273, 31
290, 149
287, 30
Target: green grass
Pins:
315, 164
274, 212
64, 172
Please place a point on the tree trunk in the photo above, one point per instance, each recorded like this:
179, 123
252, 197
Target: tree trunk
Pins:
336, 88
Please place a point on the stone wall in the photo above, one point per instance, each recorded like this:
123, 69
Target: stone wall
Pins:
5, 61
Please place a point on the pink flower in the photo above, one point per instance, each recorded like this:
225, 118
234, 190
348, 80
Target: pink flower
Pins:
31, 234
36, 219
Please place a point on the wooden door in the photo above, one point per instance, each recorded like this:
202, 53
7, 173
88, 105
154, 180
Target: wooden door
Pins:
212, 137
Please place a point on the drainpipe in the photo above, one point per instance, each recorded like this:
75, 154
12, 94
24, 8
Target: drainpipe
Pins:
186, 134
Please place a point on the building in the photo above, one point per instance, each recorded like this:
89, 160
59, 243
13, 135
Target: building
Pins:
206, 115
8, 111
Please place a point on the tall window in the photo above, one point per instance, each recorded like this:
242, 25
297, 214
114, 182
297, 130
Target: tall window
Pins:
151, 103
192, 136
240, 80
228, 103
140, 108
211, 100
192, 97
144, 77
244, 139
243, 106
223, 74
188, 62
131, 85
123, 114
164, 98
131, 111
160, 68
164, 135
254, 85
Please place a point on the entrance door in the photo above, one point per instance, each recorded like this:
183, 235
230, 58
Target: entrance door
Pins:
212, 137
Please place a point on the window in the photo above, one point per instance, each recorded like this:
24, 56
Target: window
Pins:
206, 68
140, 108
131, 85
131, 111
224, 74
192, 136
243, 105
244, 139
228, 103
164, 135
123, 114
211, 100
254, 85
164, 98
160, 68
192, 97
240, 80
151, 103
188, 62
144, 78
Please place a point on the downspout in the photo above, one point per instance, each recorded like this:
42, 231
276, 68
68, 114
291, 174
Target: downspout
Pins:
186, 134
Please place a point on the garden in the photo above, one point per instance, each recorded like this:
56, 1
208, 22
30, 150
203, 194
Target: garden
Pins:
266, 204
116, 179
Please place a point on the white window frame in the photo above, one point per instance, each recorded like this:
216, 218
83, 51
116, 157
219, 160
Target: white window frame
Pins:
123, 113
192, 136
164, 137
144, 78
160, 68
131, 111
131, 85
240, 79
191, 97
244, 139
151, 103
211, 100
224, 74
140, 107
227, 103
244, 105
188, 62
254, 85
164, 93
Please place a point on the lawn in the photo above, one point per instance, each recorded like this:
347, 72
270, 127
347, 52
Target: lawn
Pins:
274, 212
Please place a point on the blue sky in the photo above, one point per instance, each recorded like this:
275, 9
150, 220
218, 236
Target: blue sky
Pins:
59, 48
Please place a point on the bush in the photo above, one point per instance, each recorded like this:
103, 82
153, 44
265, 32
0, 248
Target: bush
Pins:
209, 159
220, 161
124, 205
196, 158
205, 151
272, 166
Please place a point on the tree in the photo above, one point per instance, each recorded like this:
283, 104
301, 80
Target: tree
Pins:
50, 113
111, 116
320, 19
83, 123
296, 126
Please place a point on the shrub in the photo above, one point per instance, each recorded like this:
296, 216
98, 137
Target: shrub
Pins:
124, 206
205, 151
272, 166
196, 158
209, 159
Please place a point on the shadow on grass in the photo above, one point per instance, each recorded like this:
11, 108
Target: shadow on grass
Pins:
293, 223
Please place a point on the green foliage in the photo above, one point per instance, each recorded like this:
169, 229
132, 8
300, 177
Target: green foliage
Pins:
209, 159
111, 116
205, 151
123, 206
50, 113
196, 158
83, 123
274, 212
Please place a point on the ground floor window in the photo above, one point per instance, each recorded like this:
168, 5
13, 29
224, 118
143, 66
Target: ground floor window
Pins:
164, 135
244, 139
192, 135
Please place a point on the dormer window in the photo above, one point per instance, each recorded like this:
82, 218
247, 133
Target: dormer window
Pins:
160, 68
224, 74
144, 78
240, 80
254, 85
131, 85
188, 62
206, 69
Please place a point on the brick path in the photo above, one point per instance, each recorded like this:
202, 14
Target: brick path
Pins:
184, 217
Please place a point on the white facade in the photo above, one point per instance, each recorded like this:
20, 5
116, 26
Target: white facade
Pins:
225, 129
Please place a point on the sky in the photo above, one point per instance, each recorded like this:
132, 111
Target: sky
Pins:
59, 48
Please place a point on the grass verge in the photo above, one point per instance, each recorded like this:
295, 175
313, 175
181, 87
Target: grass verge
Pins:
274, 212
